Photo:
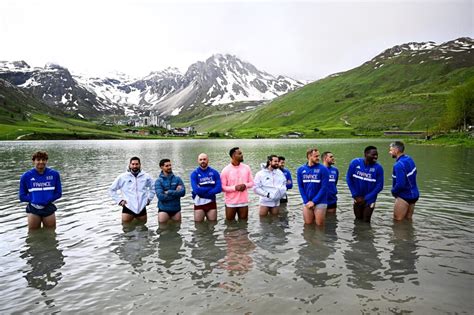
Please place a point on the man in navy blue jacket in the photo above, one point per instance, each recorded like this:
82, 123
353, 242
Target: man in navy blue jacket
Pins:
206, 183
289, 180
40, 187
365, 180
313, 179
328, 161
169, 190
404, 187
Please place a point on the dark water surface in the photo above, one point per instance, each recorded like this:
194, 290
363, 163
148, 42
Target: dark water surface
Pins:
92, 264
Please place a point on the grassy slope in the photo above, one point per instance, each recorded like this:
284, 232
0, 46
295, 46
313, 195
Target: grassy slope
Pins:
397, 96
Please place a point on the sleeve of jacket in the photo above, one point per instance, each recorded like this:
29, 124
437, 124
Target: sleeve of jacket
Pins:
114, 188
257, 188
400, 178
160, 192
217, 187
150, 187
58, 190
198, 190
178, 193
350, 179
299, 179
322, 193
225, 183
378, 187
23, 193
289, 180
282, 187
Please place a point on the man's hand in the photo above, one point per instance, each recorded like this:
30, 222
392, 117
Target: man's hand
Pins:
122, 203
179, 187
309, 205
359, 200
240, 187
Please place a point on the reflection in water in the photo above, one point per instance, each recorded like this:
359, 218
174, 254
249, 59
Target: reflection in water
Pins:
135, 244
237, 260
404, 255
314, 253
205, 252
169, 243
44, 258
272, 238
362, 258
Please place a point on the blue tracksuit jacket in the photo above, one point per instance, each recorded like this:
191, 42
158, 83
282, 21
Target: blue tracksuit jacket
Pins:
404, 178
365, 180
40, 189
313, 183
206, 183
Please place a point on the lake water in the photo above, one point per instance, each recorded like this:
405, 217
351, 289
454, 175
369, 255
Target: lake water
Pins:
92, 264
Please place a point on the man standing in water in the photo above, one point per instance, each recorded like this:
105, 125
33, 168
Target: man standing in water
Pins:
169, 190
313, 179
289, 180
136, 189
236, 179
206, 183
365, 180
404, 187
40, 187
270, 185
328, 161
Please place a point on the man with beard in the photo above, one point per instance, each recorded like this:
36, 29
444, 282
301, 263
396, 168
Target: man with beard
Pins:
404, 187
169, 190
40, 187
329, 161
236, 179
136, 188
270, 185
365, 180
313, 179
206, 183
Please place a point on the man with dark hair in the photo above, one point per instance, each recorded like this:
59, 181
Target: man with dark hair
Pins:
404, 187
313, 179
365, 180
40, 187
329, 161
136, 188
289, 180
270, 185
206, 184
236, 179
169, 190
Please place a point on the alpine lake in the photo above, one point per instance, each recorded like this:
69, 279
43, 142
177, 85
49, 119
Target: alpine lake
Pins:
92, 263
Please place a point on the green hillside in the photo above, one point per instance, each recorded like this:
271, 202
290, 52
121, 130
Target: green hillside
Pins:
407, 93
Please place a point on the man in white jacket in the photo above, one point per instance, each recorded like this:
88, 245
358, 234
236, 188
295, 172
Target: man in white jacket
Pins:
137, 191
270, 185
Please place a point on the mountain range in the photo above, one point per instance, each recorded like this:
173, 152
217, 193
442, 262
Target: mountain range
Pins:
405, 87
221, 79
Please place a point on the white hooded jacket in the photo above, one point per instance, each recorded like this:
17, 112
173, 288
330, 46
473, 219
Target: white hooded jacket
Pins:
137, 191
270, 185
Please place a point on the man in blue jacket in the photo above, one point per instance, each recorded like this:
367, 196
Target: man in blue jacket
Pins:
313, 179
365, 180
328, 161
169, 190
206, 183
404, 187
40, 187
289, 180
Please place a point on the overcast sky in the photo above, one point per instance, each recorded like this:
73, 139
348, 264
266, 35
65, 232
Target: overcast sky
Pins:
305, 40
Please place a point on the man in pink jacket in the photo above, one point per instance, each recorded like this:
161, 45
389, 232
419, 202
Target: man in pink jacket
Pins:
236, 179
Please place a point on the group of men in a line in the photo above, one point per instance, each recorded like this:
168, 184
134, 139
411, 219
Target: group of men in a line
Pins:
134, 189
